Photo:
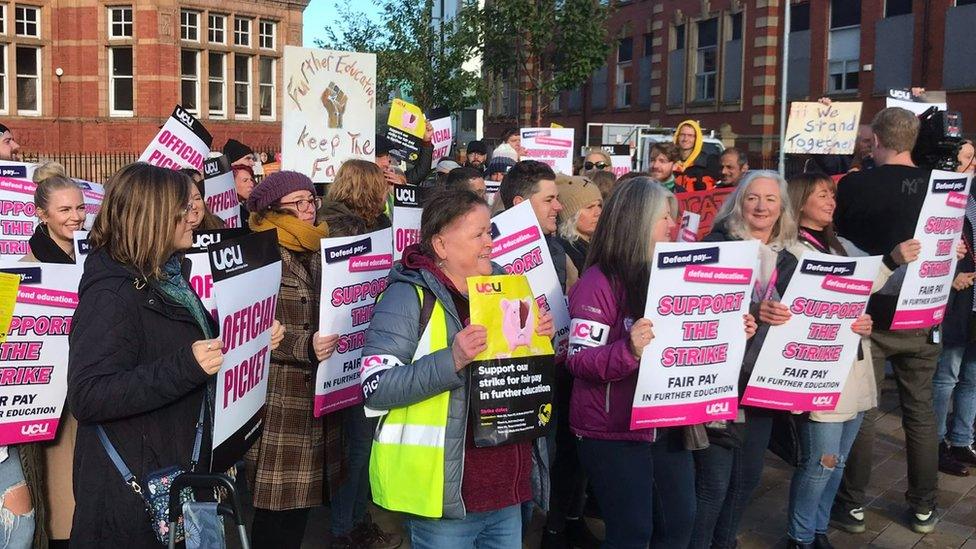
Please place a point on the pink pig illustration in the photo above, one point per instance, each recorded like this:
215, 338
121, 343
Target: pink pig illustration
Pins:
518, 322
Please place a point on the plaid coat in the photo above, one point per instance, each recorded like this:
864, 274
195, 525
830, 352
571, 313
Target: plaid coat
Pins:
296, 451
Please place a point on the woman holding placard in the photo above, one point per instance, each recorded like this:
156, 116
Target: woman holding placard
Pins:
415, 370
642, 479
727, 472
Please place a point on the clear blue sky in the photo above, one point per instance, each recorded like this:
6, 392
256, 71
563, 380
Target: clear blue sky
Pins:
320, 13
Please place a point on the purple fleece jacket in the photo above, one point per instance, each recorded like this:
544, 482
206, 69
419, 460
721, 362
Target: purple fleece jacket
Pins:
600, 360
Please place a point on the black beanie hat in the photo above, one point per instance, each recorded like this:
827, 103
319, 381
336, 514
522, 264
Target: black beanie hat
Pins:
234, 150
477, 146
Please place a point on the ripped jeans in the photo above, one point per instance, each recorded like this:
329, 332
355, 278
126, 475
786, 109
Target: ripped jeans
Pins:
16, 530
823, 452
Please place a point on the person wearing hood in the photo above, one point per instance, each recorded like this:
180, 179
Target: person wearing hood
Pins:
238, 153
296, 454
729, 469
143, 351
418, 348
696, 170
664, 157
476, 156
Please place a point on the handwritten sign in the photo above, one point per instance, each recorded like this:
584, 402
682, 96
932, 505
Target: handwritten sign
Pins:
815, 128
329, 111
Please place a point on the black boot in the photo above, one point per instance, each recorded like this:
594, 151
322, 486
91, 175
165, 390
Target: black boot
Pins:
793, 544
964, 454
821, 541
949, 464
579, 535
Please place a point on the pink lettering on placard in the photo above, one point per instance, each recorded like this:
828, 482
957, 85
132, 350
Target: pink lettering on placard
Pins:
956, 200
554, 141
42, 325
506, 244
246, 324
847, 285
354, 293
717, 275
17, 186
32, 430
241, 379
367, 263
47, 297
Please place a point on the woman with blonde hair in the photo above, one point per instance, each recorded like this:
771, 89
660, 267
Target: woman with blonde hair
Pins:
48, 169
596, 160
356, 199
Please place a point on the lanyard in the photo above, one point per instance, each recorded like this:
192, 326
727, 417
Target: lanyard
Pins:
820, 246
767, 294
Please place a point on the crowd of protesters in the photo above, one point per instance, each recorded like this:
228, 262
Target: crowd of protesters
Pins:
144, 351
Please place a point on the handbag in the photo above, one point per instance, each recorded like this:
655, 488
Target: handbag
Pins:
155, 496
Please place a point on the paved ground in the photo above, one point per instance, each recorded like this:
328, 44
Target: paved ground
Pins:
764, 525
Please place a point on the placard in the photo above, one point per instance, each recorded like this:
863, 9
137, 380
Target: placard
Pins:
329, 112
520, 248
704, 203
512, 379
408, 201
442, 138
552, 146
17, 170
688, 229
904, 98
220, 192
354, 273
815, 128
621, 164
405, 128
201, 279
803, 364
246, 278
928, 280
34, 374
181, 142
696, 298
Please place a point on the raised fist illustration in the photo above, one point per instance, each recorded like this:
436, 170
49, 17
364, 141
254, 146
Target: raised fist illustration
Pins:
334, 100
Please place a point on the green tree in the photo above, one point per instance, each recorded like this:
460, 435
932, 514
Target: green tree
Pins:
543, 46
416, 55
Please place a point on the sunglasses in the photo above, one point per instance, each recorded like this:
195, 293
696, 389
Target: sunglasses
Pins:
598, 165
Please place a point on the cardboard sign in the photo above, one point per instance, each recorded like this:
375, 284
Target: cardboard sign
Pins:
182, 142
219, 191
815, 128
520, 248
696, 298
246, 277
928, 280
511, 380
405, 128
329, 113
804, 363
408, 203
34, 374
443, 137
704, 203
916, 103
621, 164
354, 271
552, 146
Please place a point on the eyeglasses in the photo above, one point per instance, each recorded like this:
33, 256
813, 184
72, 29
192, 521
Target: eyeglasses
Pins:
598, 165
302, 204
187, 210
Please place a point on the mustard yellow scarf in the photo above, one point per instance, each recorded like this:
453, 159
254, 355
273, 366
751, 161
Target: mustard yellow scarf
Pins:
293, 233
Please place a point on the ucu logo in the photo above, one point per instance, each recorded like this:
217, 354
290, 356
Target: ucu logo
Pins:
824, 400
717, 408
35, 429
591, 332
406, 195
488, 287
202, 240
226, 258
185, 118
211, 167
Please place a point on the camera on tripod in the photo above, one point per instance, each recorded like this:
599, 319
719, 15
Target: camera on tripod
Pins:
939, 139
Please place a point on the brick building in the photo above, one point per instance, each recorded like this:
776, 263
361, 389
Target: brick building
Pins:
718, 62
101, 76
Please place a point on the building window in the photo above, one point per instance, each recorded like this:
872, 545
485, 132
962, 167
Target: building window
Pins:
216, 104
679, 37
800, 17
965, 2
120, 85
625, 53
189, 80
266, 83
706, 61
897, 7
845, 45
28, 80
242, 86
3, 78
120, 22
648, 45
266, 38
26, 21
190, 25
242, 32
216, 27
3, 18
736, 26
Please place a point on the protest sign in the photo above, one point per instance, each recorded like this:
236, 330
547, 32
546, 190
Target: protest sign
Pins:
182, 142
94, 194
17, 216
815, 128
491, 191
17, 170
408, 203
925, 289
621, 164
704, 203
520, 248
219, 191
246, 279
688, 229
512, 379
918, 104
329, 113
9, 283
201, 280
354, 271
442, 138
804, 363
82, 247
696, 298
552, 146
34, 375
405, 128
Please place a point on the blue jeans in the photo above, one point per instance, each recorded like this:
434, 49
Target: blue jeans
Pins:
815, 482
955, 382
674, 490
724, 481
16, 531
350, 500
501, 529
